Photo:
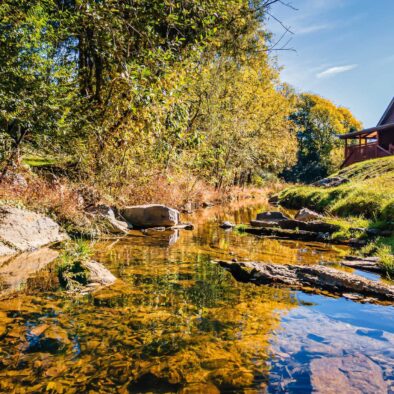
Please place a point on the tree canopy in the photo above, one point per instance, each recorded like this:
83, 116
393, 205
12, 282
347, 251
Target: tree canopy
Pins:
135, 89
317, 122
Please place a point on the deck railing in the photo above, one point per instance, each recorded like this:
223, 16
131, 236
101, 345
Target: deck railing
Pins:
356, 153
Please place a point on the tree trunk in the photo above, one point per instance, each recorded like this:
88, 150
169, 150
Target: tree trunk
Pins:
15, 152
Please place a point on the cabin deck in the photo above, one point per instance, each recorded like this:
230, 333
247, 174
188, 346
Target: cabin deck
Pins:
357, 153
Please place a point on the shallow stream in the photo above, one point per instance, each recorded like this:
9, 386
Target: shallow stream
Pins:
177, 322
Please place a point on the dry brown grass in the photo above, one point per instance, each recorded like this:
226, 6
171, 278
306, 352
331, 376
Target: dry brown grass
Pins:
65, 202
57, 199
188, 192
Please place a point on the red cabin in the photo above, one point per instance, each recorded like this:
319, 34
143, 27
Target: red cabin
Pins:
371, 143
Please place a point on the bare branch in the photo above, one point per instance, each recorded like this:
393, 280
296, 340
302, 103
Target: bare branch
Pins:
287, 28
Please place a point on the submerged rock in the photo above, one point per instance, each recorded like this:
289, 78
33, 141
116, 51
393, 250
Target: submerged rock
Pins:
116, 293
307, 215
314, 277
351, 374
197, 388
22, 230
340, 349
152, 215
46, 339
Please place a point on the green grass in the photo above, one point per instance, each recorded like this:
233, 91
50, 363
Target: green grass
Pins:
70, 270
366, 201
369, 193
350, 227
240, 229
385, 254
384, 249
36, 161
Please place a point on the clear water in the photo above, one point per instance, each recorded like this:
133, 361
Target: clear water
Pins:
177, 322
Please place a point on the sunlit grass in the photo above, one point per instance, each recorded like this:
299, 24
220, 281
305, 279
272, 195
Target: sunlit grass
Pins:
369, 193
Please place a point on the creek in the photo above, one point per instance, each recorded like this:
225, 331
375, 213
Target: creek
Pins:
177, 322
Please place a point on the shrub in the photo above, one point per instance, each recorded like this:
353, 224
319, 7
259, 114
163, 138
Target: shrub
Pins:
70, 270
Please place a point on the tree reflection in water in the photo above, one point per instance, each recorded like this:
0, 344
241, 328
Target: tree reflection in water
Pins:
174, 322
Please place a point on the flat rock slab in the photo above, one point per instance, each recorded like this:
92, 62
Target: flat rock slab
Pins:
354, 374
312, 278
22, 230
331, 182
367, 264
292, 224
152, 215
297, 235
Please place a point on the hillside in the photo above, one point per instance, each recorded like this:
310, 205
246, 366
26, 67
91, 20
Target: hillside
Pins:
368, 192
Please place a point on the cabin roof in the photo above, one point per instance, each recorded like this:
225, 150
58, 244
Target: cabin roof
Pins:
367, 133
388, 114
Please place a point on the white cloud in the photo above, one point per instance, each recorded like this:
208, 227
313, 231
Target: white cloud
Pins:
311, 29
329, 72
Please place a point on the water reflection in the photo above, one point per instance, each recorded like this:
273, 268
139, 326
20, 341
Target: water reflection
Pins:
346, 347
174, 322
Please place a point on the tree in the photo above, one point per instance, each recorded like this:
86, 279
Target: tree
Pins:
34, 80
132, 89
318, 121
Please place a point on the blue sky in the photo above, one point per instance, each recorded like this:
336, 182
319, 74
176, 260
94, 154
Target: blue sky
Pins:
344, 51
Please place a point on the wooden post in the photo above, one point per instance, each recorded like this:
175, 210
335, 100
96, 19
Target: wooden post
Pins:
346, 149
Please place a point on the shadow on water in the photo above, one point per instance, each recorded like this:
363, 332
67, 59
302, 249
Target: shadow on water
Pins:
175, 322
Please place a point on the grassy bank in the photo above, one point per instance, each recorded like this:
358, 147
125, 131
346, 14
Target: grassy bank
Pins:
369, 192
366, 200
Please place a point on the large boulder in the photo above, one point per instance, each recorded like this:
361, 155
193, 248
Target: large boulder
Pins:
151, 215
307, 215
274, 216
22, 230
106, 216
